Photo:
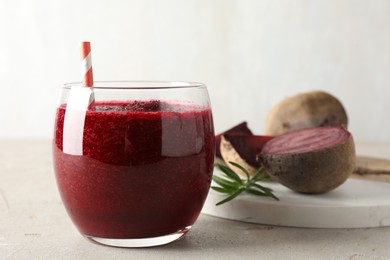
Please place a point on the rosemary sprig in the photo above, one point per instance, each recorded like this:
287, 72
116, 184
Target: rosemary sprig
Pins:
232, 184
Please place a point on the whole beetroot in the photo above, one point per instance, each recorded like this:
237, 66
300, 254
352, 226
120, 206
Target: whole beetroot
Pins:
305, 110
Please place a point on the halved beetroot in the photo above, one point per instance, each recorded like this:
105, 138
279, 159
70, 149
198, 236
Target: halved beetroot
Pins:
241, 128
313, 160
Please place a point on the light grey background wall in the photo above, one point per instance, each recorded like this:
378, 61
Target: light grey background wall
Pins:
250, 53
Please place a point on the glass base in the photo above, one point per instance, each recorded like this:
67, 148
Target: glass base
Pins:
140, 242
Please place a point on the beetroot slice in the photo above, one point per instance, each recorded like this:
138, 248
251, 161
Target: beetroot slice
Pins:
241, 128
307, 140
248, 146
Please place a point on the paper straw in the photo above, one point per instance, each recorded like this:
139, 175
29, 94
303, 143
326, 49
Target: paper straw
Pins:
86, 64
80, 100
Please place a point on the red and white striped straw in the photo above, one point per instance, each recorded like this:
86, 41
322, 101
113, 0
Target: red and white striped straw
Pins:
86, 64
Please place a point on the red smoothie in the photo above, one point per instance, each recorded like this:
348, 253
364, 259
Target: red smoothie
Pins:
145, 170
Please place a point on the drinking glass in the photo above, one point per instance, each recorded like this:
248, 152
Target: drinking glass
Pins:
133, 160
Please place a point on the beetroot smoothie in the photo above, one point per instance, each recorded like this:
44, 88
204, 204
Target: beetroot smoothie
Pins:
145, 170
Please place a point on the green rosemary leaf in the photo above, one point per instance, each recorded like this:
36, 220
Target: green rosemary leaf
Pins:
231, 197
225, 183
256, 192
270, 194
266, 189
259, 175
229, 172
242, 169
223, 190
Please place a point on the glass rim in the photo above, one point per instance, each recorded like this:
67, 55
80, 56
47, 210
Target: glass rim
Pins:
139, 84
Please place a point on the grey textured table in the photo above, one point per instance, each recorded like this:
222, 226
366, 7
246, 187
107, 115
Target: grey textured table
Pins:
34, 224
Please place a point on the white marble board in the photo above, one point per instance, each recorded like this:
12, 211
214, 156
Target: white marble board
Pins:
355, 204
